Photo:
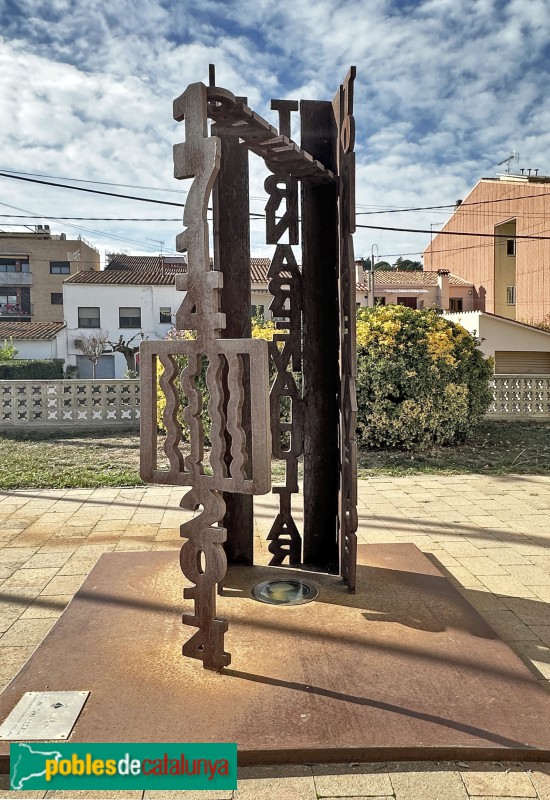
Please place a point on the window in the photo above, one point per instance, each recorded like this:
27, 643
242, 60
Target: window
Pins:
409, 302
56, 298
129, 317
511, 295
7, 266
257, 311
166, 315
510, 247
60, 268
455, 304
379, 301
88, 317
9, 303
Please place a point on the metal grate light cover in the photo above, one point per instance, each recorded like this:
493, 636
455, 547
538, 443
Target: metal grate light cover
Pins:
290, 592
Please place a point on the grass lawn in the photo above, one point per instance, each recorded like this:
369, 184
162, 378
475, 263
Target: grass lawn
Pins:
86, 461
89, 461
498, 448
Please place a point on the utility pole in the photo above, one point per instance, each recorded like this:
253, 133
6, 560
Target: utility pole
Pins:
371, 276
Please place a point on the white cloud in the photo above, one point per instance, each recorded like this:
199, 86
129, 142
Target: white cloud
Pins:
444, 90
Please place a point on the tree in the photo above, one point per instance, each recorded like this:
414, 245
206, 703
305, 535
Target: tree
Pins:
421, 379
128, 350
7, 350
92, 346
382, 266
406, 265
543, 324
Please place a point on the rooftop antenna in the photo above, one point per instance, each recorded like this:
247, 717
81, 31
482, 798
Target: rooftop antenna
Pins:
514, 156
161, 256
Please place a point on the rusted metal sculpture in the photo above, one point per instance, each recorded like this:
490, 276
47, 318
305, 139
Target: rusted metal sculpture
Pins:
347, 495
242, 414
285, 350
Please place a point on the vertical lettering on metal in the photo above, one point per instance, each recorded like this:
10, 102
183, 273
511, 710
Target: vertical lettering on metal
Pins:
247, 469
285, 285
347, 497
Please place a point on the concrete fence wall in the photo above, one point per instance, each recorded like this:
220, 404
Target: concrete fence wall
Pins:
520, 397
69, 404
79, 404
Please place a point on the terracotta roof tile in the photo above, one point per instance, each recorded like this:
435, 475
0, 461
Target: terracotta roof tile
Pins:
30, 330
145, 270
125, 261
383, 279
125, 269
258, 269
132, 277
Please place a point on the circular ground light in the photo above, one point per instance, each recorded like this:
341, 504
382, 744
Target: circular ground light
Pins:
285, 592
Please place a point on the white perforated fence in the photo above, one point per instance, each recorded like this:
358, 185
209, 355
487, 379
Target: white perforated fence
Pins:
115, 403
521, 396
69, 403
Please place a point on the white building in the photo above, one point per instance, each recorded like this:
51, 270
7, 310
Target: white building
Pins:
414, 289
517, 348
119, 302
35, 339
134, 295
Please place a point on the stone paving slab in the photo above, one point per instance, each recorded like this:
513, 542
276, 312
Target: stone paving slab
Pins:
505, 519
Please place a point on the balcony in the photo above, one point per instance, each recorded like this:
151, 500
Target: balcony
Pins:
16, 278
15, 311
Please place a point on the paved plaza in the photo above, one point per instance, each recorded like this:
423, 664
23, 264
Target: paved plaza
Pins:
490, 535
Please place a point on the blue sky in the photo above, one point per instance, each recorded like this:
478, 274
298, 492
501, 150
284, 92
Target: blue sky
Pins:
444, 91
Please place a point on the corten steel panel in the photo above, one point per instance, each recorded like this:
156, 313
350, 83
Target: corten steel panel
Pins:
259, 450
403, 669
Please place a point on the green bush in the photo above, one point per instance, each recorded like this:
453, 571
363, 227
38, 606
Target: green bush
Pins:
421, 379
27, 370
7, 350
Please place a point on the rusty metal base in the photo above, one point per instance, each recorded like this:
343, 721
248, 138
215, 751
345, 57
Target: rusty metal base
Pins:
404, 669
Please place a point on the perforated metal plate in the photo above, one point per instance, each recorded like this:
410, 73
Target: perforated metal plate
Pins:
43, 715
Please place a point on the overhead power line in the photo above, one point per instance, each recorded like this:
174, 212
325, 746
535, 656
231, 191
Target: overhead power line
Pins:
91, 191
98, 183
81, 227
27, 177
454, 205
452, 233
258, 215
99, 191
99, 219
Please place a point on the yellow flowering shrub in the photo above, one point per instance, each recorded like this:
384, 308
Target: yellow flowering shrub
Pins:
421, 379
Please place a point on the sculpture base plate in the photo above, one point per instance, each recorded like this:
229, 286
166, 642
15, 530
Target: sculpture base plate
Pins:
403, 669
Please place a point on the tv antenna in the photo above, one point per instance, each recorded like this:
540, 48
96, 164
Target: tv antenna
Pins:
514, 156
158, 241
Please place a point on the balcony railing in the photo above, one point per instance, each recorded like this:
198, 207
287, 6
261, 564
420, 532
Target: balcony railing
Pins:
8, 310
15, 279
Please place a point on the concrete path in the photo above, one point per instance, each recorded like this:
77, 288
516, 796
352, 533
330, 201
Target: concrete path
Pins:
491, 535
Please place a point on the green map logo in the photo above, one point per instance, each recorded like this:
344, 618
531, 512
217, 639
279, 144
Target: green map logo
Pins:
26, 757
73, 766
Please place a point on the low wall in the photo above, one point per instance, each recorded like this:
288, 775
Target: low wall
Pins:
520, 397
69, 404
115, 403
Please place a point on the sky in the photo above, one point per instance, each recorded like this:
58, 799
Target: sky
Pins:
445, 90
